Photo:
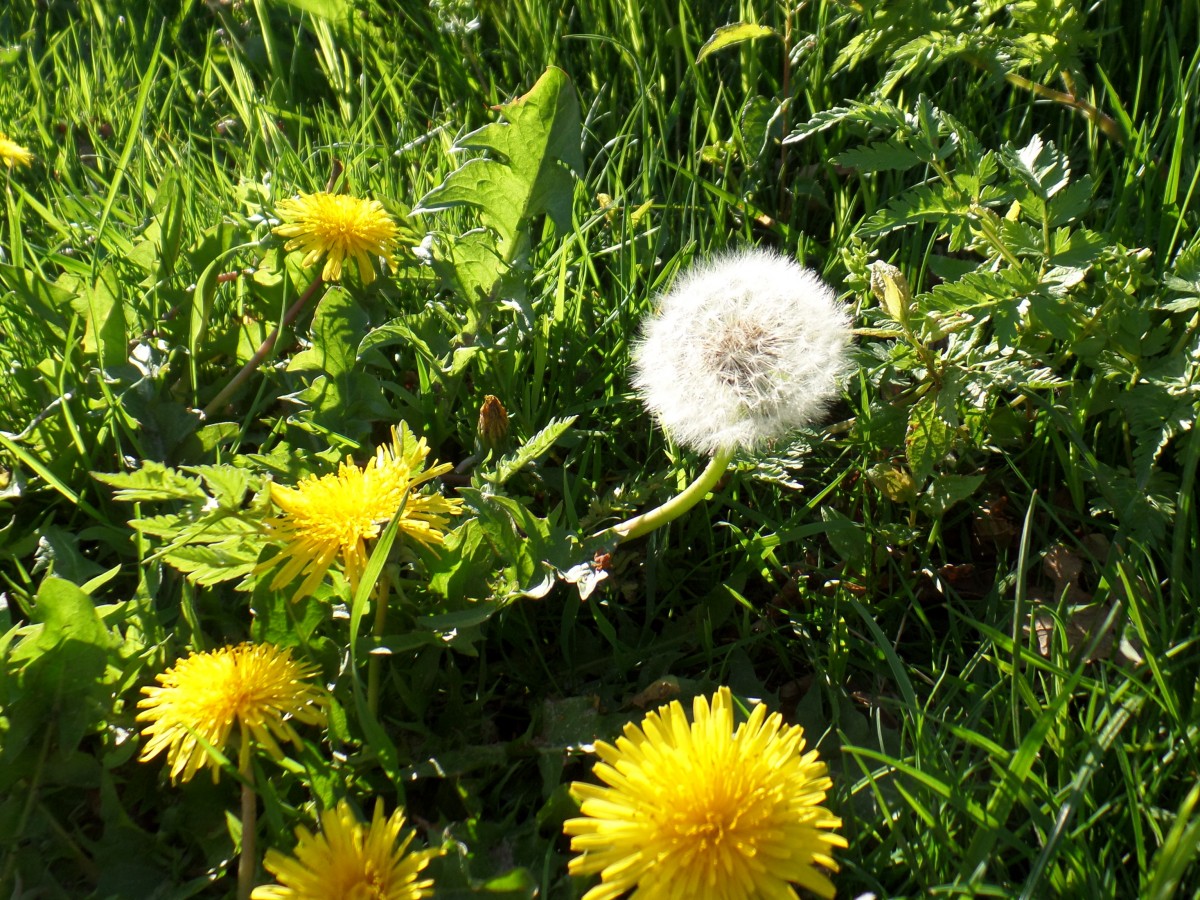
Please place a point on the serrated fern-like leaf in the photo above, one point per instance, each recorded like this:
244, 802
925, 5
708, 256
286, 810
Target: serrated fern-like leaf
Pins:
153, 481
881, 156
924, 203
881, 114
1039, 165
532, 449
214, 563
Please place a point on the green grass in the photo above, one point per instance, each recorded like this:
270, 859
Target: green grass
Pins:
966, 760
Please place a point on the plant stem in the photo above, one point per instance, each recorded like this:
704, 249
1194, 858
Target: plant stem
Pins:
247, 861
1101, 120
263, 351
382, 589
680, 503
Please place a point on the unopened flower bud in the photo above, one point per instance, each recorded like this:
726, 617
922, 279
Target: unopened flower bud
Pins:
493, 423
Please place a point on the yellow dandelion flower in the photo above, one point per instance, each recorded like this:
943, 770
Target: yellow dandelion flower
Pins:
349, 860
258, 687
340, 228
13, 154
330, 515
705, 812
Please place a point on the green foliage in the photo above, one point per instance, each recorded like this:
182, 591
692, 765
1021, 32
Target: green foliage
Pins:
529, 173
973, 584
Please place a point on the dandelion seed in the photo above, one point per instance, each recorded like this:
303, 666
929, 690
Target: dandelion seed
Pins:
336, 515
349, 860
704, 811
13, 154
257, 687
340, 228
742, 350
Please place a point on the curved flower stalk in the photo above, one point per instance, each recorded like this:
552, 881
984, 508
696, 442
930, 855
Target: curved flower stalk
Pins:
191, 713
349, 860
706, 811
743, 350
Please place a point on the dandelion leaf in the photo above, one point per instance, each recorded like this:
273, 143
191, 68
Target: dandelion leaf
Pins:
101, 307
340, 397
528, 171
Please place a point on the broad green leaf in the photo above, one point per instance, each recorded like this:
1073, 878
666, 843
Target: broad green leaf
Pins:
342, 397
62, 668
102, 308
946, 490
893, 482
848, 538
535, 150
761, 123
29, 294
929, 438
58, 552
732, 35
168, 208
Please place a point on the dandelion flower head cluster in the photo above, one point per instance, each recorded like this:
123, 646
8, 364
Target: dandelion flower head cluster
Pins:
742, 350
330, 516
258, 687
349, 860
340, 228
704, 811
13, 154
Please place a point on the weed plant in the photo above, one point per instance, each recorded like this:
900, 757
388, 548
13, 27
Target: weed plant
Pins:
973, 583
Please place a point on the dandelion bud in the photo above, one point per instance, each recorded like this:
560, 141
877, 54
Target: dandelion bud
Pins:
742, 350
493, 422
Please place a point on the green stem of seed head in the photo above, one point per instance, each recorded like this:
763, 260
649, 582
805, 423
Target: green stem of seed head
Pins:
247, 859
680, 503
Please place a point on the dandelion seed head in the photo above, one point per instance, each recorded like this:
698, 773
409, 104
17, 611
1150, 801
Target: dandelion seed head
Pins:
742, 350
